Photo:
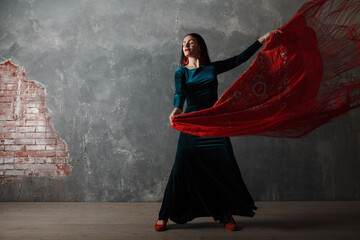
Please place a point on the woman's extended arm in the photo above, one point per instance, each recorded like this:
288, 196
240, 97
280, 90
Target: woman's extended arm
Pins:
230, 63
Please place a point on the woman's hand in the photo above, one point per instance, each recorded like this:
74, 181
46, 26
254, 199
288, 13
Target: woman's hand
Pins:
267, 35
176, 111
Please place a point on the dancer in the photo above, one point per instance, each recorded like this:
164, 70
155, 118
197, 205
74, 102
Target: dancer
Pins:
205, 179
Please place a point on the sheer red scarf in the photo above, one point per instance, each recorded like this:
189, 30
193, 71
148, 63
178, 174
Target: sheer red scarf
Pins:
303, 78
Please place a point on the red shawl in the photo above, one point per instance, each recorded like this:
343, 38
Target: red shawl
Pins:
303, 78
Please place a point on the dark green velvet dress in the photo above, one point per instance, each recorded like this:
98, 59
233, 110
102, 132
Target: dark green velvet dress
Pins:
205, 179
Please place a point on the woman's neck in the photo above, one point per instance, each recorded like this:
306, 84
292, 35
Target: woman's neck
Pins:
193, 63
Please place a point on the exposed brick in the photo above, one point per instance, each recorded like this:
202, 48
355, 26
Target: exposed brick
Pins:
33, 105
23, 166
25, 129
35, 135
6, 166
32, 110
41, 129
9, 160
46, 153
35, 123
14, 173
29, 144
14, 147
24, 153
5, 117
50, 147
6, 153
62, 153
24, 141
46, 141
6, 99
61, 147
14, 135
11, 86
60, 160
51, 135
35, 147
5, 105
52, 160
7, 129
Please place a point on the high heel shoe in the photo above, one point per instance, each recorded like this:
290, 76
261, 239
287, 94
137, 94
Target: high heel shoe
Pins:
159, 227
231, 224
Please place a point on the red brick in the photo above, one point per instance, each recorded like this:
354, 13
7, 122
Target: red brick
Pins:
61, 147
11, 94
46, 153
25, 141
6, 99
6, 117
7, 129
37, 105
5, 105
35, 135
61, 160
52, 160
35, 147
14, 147
46, 141
12, 86
23, 154
33, 117
13, 123
41, 160
51, 134
14, 135
6, 166
9, 160
50, 147
6, 154
40, 129
62, 153
14, 173
32, 110
23, 166
35, 123
25, 129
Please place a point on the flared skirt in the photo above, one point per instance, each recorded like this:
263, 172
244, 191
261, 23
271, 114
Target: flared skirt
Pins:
205, 181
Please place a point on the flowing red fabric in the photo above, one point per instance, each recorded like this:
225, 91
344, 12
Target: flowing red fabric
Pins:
303, 78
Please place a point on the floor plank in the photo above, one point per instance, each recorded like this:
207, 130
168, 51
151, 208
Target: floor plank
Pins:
107, 220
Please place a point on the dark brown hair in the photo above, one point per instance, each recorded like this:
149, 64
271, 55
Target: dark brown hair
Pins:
204, 56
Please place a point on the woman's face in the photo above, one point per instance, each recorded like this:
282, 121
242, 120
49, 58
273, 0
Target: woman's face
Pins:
191, 47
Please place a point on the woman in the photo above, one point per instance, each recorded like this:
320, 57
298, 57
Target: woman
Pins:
205, 179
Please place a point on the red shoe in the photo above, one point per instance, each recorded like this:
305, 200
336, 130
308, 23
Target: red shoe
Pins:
232, 224
159, 227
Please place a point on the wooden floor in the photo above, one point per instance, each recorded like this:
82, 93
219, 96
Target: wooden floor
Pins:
273, 220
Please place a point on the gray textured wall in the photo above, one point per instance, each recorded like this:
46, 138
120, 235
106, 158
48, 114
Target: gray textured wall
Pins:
108, 69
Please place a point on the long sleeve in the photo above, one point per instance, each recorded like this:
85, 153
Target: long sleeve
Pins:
179, 96
230, 63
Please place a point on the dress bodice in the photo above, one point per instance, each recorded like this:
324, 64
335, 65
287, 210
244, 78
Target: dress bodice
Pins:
199, 86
